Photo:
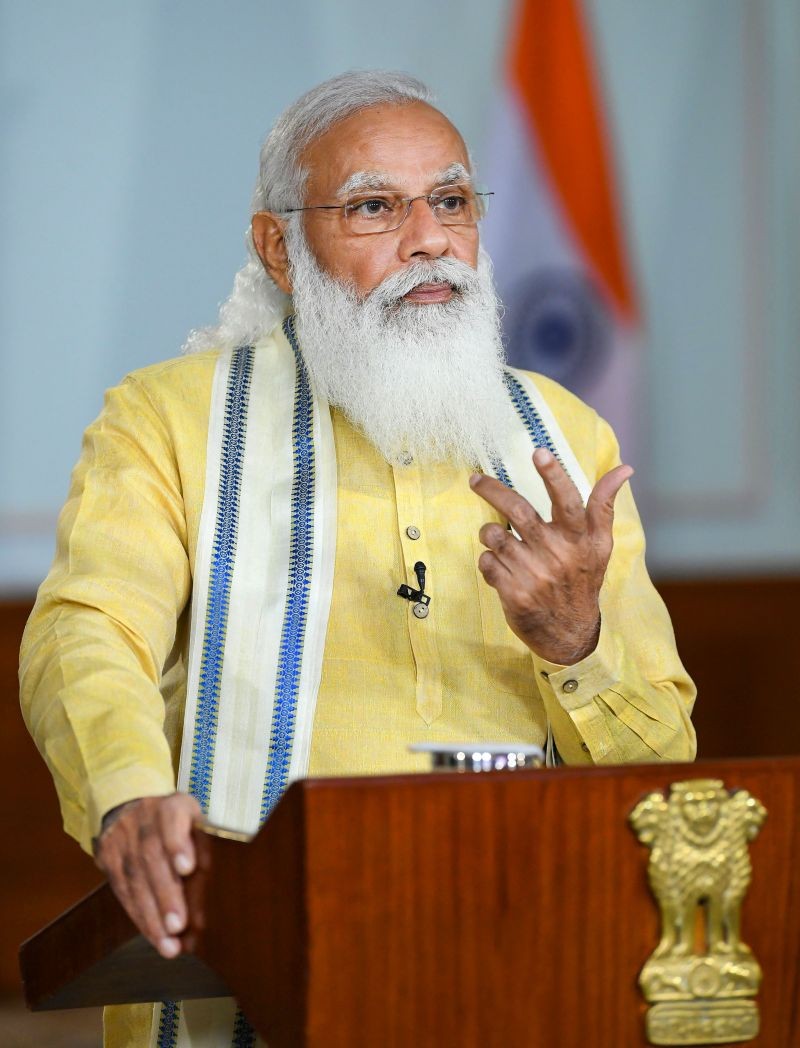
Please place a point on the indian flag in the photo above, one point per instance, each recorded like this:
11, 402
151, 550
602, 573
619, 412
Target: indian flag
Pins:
554, 229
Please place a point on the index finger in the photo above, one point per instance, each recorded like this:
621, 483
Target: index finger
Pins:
177, 816
507, 502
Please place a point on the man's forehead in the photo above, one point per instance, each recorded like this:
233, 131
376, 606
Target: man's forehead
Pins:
378, 178
408, 145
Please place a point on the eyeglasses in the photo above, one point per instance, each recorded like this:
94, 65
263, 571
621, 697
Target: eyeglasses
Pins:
371, 212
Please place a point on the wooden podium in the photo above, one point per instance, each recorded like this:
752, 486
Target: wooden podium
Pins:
509, 908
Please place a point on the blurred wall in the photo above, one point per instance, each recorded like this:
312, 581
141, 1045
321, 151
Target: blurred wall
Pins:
130, 137
704, 99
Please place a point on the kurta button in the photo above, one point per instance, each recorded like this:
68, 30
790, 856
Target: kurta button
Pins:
421, 610
584, 747
413, 532
569, 686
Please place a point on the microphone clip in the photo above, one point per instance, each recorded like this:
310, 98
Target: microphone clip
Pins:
420, 598
411, 594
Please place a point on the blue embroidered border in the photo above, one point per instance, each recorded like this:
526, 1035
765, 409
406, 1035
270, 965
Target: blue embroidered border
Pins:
218, 599
244, 1036
168, 1024
501, 473
222, 558
540, 438
529, 415
301, 550
295, 616
537, 430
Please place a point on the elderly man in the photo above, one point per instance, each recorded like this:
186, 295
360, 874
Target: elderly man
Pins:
223, 611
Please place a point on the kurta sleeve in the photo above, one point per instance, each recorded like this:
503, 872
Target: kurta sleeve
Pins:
105, 618
631, 699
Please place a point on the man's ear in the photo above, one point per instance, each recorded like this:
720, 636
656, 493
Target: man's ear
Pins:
268, 240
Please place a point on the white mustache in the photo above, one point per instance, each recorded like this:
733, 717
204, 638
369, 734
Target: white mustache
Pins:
459, 275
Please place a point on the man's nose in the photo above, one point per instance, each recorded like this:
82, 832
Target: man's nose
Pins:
422, 233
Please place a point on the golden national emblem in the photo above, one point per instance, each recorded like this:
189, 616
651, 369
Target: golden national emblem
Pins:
701, 978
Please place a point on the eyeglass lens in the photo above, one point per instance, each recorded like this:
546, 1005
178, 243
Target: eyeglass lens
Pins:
379, 212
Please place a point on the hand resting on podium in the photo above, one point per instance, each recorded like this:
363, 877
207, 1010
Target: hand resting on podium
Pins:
146, 849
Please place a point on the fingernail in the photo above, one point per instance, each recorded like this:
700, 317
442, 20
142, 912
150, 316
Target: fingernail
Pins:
183, 864
173, 923
169, 947
473, 480
542, 456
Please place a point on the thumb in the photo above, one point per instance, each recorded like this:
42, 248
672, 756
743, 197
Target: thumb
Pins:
600, 505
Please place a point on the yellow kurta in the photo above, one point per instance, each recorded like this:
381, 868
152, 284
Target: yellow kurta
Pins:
103, 657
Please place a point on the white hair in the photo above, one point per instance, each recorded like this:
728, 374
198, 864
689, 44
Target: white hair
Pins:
256, 303
422, 382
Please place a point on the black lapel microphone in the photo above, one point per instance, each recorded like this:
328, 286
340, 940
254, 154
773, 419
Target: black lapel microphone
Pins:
419, 596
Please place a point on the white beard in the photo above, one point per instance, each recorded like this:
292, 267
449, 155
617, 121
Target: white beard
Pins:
421, 381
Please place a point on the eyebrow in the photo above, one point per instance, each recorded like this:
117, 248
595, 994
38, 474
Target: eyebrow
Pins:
454, 173
365, 180
382, 180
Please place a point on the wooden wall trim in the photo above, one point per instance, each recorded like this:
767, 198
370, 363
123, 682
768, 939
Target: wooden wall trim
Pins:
738, 638
45, 871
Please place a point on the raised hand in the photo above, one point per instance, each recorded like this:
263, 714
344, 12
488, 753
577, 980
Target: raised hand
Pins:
549, 578
145, 851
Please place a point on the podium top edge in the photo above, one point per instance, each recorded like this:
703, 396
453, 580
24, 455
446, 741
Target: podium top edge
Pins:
716, 766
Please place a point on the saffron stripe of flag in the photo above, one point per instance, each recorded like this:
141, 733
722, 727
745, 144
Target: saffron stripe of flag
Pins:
554, 231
